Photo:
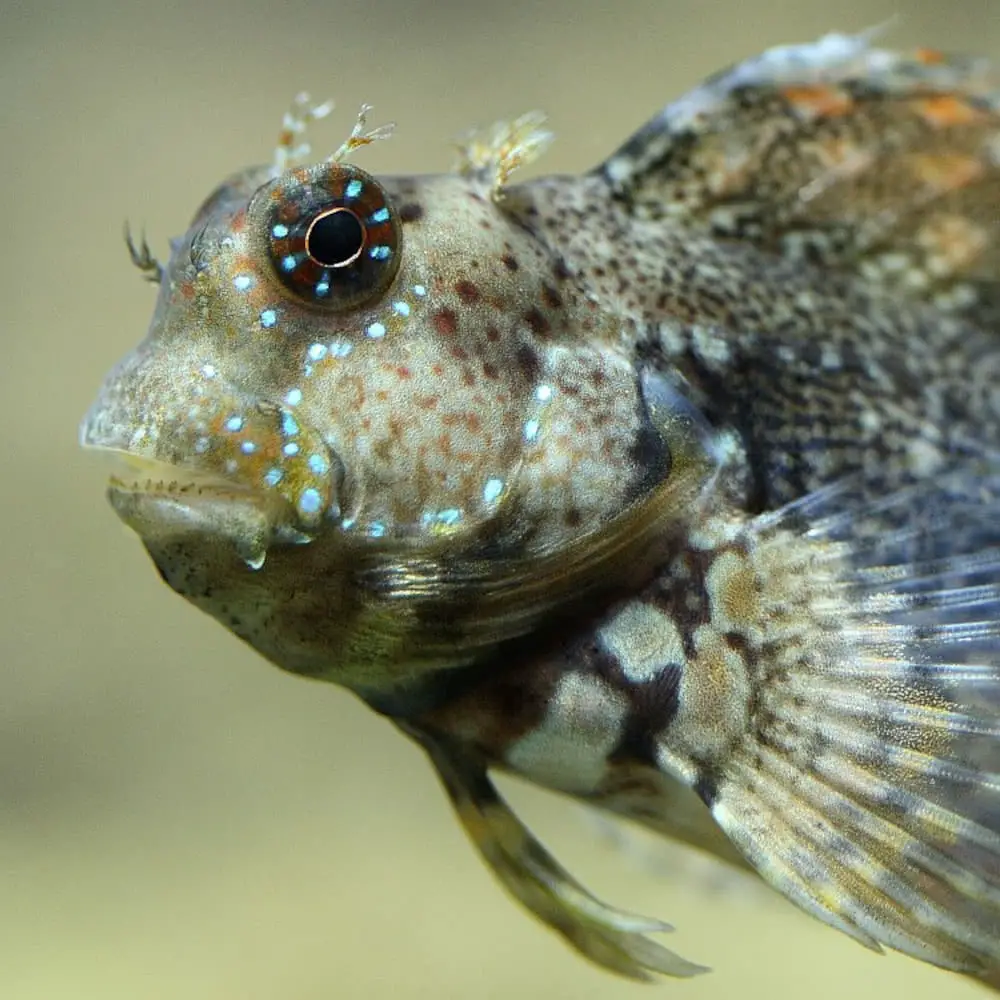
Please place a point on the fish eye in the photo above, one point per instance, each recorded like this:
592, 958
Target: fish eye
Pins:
335, 238
331, 234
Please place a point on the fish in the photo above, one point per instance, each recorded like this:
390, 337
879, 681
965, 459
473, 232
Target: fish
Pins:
671, 485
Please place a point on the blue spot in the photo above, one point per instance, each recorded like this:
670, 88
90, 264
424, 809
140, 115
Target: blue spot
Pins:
382, 215
376, 529
234, 424
353, 188
419, 290
201, 445
248, 447
310, 501
317, 352
289, 425
294, 397
380, 252
280, 231
340, 348
273, 476
401, 308
531, 429
242, 282
375, 330
288, 263
268, 317
323, 287
319, 465
451, 515
291, 448
492, 489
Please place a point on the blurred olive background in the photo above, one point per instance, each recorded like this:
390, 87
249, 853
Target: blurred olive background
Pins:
177, 818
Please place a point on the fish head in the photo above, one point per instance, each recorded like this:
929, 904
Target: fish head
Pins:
345, 372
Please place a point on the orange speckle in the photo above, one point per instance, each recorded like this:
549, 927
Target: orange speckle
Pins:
945, 171
953, 242
945, 110
929, 57
818, 101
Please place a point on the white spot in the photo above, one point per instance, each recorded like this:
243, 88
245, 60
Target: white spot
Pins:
273, 476
543, 393
419, 290
376, 529
317, 352
294, 397
280, 231
242, 282
234, 424
569, 748
201, 445
291, 448
492, 489
289, 425
248, 447
643, 640
209, 371
531, 429
268, 317
319, 465
340, 349
231, 465
449, 516
375, 330
310, 501
401, 308
322, 287
288, 263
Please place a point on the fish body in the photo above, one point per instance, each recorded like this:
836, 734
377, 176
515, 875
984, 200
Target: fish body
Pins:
669, 486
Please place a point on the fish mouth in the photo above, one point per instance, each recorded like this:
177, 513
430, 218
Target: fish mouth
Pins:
164, 502
190, 454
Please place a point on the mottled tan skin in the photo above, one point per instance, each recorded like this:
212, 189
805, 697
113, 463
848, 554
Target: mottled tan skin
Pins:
513, 488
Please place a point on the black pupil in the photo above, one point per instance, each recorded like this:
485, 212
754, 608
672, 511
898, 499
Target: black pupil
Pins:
335, 239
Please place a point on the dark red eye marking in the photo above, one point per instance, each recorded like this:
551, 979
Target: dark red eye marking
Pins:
331, 234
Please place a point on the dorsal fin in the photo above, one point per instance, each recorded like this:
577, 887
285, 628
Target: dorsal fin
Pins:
839, 154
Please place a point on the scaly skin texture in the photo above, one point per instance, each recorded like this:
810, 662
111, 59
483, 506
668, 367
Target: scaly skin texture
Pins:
669, 486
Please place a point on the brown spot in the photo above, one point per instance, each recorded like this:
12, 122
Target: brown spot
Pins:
459, 353
490, 370
468, 379
573, 518
446, 322
426, 402
467, 292
411, 212
560, 271
536, 319
492, 334
510, 262
403, 372
552, 298
528, 361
